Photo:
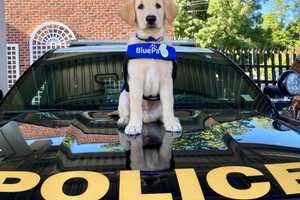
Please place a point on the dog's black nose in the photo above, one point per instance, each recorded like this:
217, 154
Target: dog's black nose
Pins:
151, 19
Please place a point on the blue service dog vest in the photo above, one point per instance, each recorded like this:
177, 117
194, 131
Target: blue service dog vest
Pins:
149, 51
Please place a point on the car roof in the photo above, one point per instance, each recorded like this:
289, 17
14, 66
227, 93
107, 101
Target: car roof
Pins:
83, 46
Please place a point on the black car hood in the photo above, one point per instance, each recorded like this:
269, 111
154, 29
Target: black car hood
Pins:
53, 144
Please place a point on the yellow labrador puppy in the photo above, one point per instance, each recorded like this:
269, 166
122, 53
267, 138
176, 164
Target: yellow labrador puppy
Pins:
148, 77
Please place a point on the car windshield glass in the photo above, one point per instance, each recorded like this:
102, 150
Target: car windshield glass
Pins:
81, 81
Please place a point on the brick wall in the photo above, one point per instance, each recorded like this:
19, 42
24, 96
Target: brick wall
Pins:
30, 132
88, 19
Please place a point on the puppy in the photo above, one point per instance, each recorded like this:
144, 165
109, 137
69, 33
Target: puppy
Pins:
148, 77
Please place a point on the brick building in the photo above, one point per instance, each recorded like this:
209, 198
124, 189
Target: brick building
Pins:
35, 26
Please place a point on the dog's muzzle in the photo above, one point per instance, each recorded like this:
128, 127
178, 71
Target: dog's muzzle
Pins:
151, 21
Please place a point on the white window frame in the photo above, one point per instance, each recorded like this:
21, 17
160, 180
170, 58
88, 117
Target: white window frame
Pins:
16, 65
47, 33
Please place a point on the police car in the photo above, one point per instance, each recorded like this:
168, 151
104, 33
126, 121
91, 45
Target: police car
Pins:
59, 137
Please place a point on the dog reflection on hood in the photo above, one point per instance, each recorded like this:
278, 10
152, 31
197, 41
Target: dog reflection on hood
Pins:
151, 151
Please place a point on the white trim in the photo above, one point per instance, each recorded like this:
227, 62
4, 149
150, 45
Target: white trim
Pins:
61, 36
13, 62
3, 67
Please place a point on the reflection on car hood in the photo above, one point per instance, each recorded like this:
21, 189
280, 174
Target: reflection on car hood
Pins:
88, 133
263, 131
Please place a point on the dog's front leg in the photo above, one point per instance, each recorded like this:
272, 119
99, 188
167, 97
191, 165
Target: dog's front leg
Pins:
171, 123
136, 114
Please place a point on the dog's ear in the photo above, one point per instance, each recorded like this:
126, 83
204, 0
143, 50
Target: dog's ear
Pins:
171, 10
127, 13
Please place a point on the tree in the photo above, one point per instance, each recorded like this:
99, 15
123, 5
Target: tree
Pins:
275, 28
186, 25
285, 10
230, 24
240, 23
293, 33
282, 21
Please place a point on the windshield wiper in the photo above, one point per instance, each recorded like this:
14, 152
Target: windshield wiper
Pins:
15, 115
18, 112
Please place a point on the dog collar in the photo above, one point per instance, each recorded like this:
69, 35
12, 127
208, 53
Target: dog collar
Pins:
151, 51
149, 39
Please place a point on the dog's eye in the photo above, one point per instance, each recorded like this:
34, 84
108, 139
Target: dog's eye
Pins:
158, 6
141, 6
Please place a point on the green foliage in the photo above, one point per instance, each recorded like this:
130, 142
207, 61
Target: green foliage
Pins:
186, 26
228, 26
213, 139
230, 23
68, 141
240, 24
293, 33
279, 38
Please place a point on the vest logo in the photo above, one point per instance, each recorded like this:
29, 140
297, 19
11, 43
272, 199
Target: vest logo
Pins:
151, 51
163, 50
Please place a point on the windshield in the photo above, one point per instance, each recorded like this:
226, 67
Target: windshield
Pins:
87, 81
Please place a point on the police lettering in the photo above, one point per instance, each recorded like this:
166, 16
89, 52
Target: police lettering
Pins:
130, 183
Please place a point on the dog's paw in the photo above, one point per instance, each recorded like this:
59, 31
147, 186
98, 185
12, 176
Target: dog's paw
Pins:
133, 129
173, 126
122, 122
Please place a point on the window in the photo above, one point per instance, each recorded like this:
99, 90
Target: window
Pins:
13, 66
46, 37
49, 36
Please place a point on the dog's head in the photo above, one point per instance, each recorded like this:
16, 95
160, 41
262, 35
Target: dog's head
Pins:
149, 14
